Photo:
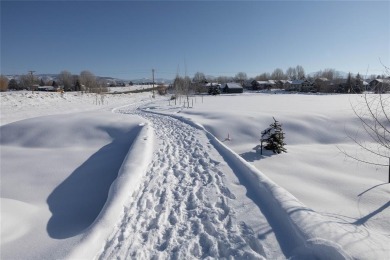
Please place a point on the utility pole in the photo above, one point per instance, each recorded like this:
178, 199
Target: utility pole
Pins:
153, 81
32, 79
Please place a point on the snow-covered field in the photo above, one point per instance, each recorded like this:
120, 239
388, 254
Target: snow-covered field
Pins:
129, 88
89, 177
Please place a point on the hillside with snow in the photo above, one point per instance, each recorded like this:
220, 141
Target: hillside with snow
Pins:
129, 176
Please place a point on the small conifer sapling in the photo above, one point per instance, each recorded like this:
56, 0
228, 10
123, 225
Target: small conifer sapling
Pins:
272, 138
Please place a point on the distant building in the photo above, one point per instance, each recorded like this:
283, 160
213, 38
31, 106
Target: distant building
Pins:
300, 85
322, 85
232, 88
282, 83
259, 85
46, 88
380, 85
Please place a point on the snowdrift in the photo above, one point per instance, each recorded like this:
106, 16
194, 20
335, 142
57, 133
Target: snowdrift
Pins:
56, 172
128, 180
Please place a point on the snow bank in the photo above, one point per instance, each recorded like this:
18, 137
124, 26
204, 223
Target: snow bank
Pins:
128, 180
56, 173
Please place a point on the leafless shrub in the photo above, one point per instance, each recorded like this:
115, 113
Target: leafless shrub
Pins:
373, 112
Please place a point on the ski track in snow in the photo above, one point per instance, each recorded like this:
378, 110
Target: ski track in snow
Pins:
182, 208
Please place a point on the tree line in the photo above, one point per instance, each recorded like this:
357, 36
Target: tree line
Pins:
86, 82
291, 73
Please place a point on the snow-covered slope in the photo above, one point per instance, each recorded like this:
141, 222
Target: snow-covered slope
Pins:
20, 105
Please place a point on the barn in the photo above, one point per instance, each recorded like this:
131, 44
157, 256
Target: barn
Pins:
232, 88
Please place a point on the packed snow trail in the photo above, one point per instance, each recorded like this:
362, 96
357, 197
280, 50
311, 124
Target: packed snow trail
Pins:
183, 209
198, 199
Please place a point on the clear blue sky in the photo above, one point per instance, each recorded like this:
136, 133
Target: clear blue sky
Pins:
126, 39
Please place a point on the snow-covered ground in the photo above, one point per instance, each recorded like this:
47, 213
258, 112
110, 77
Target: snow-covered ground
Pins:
89, 177
129, 88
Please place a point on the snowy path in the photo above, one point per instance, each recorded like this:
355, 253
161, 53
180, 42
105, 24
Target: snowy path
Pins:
184, 209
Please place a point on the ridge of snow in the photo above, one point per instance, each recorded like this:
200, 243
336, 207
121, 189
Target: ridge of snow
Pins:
128, 180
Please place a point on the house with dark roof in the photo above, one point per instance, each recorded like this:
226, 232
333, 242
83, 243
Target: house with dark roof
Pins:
282, 83
258, 85
380, 85
232, 88
322, 85
300, 85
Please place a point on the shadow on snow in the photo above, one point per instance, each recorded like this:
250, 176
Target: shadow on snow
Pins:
78, 200
255, 155
373, 187
363, 220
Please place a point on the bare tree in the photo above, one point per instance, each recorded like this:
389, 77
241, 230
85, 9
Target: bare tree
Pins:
101, 86
199, 77
241, 77
278, 74
199, 80
300, 72
27, 81
263, 77
187, 89
65, 78
178, 87
182, 86
88, 79
330, 74
224, 79
373, 112
291, 73
210, 79
372, 77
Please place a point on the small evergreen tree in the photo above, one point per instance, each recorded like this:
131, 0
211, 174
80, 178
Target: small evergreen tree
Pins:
358, 87
214, 90
348, 84
13, 84
77, 86
54, 84
41, 83
273, 137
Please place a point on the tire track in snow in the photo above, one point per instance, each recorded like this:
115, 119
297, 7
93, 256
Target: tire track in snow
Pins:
182, 210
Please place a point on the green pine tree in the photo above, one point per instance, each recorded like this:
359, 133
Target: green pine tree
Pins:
273, 137
358, 87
